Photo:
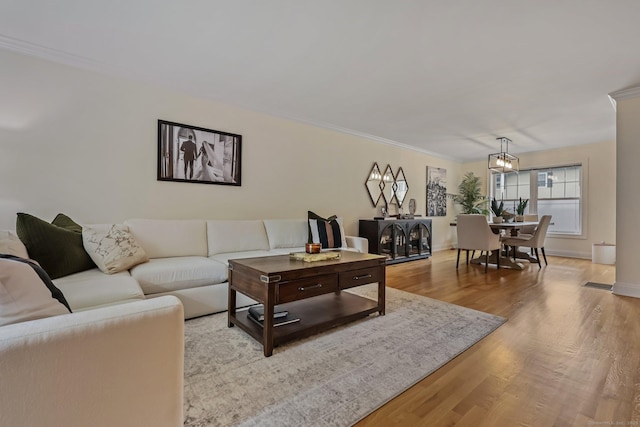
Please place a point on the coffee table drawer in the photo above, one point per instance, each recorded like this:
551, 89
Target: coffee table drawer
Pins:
349, 279
306, 288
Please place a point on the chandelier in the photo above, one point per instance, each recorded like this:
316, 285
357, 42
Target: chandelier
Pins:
503, 162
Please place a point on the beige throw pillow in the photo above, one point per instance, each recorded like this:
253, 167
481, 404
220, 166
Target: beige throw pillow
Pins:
26, 292
11, 244
113, 250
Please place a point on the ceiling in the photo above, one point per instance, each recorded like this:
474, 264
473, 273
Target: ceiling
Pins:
446, 78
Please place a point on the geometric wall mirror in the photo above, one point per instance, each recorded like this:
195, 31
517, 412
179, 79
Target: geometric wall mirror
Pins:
388, 185
374, 184
401, 187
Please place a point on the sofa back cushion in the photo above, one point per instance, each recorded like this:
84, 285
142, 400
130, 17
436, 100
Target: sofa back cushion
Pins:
26, 292
286, 233
236, 236
165, 238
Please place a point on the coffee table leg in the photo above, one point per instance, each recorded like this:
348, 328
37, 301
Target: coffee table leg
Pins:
381, 294
231, 308
267, 333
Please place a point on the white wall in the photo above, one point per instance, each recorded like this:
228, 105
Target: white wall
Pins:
85, 144
599, 193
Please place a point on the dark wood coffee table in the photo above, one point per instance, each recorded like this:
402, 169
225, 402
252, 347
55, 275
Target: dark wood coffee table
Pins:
308, 290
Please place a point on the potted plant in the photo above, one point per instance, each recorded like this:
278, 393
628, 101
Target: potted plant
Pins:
498, 210
469, 196
522, 205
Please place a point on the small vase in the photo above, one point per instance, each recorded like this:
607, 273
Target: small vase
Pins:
497, 220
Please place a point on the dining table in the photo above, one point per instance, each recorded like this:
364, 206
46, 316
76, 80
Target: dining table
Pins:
507, 260
513, 227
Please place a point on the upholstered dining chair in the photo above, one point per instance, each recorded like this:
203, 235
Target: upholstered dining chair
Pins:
536, 241
529, 229
474, 234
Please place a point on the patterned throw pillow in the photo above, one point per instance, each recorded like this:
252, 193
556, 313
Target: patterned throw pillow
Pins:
113, 250
26, 292
57, 248
329, 232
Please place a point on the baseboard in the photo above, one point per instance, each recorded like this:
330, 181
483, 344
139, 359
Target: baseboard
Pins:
626, 289
569, 254
560, 253
436, 248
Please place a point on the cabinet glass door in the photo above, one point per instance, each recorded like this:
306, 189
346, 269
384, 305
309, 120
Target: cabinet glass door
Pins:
419, 240
400, 241
386, 242
393, 242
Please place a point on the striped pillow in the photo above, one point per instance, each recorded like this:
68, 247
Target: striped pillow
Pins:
329, 233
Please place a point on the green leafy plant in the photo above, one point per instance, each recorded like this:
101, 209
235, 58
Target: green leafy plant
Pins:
469, 196
522, 205
497, 209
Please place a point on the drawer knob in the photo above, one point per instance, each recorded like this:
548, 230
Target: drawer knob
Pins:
364, 276
302, 289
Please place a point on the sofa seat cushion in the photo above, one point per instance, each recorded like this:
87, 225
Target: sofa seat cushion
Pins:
224, 258
92, 288
172, 274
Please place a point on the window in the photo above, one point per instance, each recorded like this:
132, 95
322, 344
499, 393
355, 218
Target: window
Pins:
553, 191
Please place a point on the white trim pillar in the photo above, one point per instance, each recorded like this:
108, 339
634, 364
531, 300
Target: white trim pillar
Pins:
627, 103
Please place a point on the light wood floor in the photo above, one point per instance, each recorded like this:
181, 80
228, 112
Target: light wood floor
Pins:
567, 356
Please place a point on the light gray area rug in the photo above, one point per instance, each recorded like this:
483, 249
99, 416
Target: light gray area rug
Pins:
332, 379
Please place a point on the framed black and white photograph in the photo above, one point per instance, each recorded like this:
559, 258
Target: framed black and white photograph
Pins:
436, 191
193, 154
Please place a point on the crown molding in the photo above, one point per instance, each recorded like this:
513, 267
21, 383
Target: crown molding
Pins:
59, 56
361, 135
623, 94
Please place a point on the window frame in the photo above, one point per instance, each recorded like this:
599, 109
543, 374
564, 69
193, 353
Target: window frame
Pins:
533, 193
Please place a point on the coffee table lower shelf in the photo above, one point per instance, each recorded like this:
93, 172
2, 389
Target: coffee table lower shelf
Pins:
316, 314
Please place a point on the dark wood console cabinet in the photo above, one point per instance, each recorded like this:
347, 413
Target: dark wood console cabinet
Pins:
400, 240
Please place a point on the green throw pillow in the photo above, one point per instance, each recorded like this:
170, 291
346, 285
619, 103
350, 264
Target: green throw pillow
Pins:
57, 247
61, 220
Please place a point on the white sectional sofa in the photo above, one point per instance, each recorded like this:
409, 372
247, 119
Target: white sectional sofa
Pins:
118, 358
188, 259
113, 366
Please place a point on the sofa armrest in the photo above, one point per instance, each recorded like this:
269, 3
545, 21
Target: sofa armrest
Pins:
361, 244
112, 366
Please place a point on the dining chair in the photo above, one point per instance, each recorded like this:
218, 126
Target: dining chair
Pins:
536, 241
475, 234
529, 229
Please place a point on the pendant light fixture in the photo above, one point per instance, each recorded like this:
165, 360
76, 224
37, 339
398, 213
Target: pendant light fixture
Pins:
503, 162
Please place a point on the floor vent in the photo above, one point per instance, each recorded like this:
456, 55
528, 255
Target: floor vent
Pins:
598, 286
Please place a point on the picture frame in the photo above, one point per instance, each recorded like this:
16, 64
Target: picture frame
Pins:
436, 191
194, 154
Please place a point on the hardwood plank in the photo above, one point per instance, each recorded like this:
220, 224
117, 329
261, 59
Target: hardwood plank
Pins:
568, 355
